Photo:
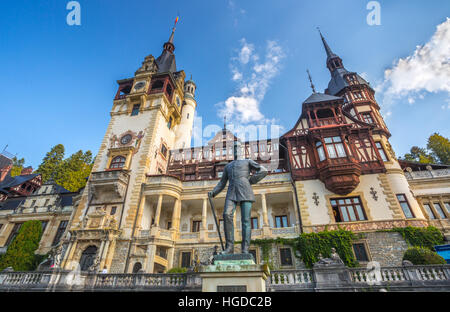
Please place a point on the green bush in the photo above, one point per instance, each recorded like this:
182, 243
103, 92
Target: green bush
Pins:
20, 253
421, 255
421, 237
177, 270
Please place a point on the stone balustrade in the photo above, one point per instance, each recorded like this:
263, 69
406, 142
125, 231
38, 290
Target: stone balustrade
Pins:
427, 174
407, 278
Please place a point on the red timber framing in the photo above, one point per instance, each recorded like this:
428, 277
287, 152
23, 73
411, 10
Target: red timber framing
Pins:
353, 150
207, 162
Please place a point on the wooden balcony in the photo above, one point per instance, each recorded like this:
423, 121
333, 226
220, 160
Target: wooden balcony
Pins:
340, 175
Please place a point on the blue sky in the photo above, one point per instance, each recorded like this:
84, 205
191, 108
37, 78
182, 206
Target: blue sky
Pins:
58, 81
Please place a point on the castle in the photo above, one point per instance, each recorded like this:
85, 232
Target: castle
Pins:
145, 205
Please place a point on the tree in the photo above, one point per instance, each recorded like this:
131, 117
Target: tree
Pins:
17, 166
20, 253
437, 151
51, 164
74, 170
440, 147
418, 154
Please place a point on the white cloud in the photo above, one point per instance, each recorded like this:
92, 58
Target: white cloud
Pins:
253, 80
426, 70
246, 52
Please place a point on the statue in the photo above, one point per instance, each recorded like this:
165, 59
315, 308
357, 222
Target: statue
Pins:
333, 260
57, 253
237, 173
94, 267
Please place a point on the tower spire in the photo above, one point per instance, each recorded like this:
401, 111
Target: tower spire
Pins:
330, 53
310, 80
173, 31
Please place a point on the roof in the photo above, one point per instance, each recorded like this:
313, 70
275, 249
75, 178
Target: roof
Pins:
17, 180
66, 199
338, 81
318, 97
5, 161
12, 203
166, 62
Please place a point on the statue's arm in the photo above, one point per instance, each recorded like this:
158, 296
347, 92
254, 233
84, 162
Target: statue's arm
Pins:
221, 185
260, 173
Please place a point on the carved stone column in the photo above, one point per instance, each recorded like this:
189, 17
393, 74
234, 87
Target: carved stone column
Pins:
266, 228
158, 210
203, 228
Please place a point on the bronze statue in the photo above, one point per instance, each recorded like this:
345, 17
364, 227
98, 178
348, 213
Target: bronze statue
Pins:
238, 174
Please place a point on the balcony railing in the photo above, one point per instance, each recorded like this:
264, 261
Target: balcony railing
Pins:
325, 122
411, 278
428, 174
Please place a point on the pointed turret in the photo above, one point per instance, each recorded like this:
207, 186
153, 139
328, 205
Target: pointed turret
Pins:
166, 61
333, 61
330, 53
339, 79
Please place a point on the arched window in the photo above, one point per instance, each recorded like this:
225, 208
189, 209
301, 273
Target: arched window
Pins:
117, 162
137, 267
87, 258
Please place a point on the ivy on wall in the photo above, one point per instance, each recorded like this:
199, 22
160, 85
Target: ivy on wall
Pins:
310, 245
20, 253
421, 237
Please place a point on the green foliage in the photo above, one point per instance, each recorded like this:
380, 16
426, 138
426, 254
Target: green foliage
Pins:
310, 245
51, 164
437, 151
422, 256
70, 173
440, 147
421, 237
418, 154
17, 166
74, 170
177, 270
20, 253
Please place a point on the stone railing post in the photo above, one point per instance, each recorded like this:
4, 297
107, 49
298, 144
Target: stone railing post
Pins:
334, 277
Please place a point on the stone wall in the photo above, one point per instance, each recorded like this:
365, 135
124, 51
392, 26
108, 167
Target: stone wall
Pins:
386, 247
120, 257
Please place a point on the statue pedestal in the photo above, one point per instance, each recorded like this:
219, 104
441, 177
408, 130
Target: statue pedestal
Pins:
332, 276
234, 273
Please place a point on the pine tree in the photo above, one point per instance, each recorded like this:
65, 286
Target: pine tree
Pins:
51, 164
74, 171
440, 147
20, 253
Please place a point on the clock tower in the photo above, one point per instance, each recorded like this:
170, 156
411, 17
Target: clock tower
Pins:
146, 114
